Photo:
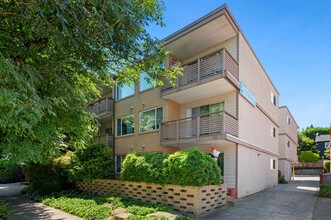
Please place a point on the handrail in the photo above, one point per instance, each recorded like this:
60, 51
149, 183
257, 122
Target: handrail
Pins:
200, 116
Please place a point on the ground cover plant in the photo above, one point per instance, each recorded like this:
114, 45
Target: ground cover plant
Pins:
325, 191
90, 206
5, 213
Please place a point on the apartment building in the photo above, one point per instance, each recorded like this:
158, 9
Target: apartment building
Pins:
288, 142
224, 99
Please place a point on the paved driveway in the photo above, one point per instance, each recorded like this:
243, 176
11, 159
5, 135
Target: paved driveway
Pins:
26, 209
297, 200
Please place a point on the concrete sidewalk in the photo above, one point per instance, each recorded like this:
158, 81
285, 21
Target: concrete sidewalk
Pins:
24, 208
297, 200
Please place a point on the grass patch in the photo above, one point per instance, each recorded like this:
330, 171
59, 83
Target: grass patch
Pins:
325, 191
5, 212
90, 206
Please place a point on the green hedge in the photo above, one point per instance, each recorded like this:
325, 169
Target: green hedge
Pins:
93, 162
144, 167
10, 172
308, 156
47, 178
188, 168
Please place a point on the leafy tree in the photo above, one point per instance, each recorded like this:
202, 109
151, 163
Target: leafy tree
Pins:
54, 55
312, 132
306, 144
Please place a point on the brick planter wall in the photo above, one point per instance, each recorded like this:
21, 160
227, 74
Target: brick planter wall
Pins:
190, 200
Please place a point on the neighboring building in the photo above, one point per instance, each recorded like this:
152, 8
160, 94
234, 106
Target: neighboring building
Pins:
225, 98
322, 141
288, 142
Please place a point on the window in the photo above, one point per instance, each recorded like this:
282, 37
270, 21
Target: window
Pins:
272, 164
150, 120
288, 143
125, 125
288, 120
124, 91
273, 131
326, 144
217, 107
119, 161
273, 99
145, 82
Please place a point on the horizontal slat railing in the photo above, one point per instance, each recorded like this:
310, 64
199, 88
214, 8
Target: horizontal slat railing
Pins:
105, 138
198, 126
103, 107
196, 71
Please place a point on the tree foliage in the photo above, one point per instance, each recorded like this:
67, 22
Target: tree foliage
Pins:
308, 156
53, 56
306, 138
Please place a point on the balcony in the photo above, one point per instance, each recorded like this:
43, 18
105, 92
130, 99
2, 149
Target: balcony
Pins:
203, 129
103, 107
106, 139
205, 77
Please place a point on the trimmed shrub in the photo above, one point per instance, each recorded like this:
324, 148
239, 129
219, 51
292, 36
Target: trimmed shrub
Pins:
281, 178
47, 178
93, 162
191, 168
10, 172
308, 156
143, 167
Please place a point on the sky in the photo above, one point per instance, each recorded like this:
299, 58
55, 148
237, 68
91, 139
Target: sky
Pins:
292, 40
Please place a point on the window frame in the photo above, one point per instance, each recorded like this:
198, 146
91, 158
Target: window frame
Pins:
273, 99
122, 156
155, 123
116, 127
117, 89
288, 120
273, 131
272, 164
140, 79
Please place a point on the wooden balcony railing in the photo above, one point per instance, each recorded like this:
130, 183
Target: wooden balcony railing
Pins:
203, 70
197, 126
105, 138
103, 107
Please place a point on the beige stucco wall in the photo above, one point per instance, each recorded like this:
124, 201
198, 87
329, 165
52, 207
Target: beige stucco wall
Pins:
229, 99
135, 104
290, 129
256, 79
286, 168
255, 127
254, 171
290, 153
230, 45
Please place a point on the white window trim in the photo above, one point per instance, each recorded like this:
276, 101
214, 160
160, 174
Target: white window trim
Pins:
288, 120
272, 164
116, 126
272, 131
156, 129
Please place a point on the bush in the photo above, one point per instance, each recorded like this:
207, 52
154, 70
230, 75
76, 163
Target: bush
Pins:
326, 166
325, 191
281, 178
93, 162
308, 156
48, 178
10, 172
191, 168
143, 167
5, 213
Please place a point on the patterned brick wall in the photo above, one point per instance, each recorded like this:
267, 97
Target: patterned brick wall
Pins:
190, 200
